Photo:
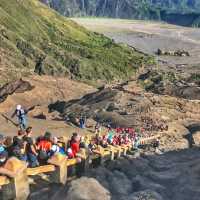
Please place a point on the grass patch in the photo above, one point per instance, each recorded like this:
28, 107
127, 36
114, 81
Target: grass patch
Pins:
30, 30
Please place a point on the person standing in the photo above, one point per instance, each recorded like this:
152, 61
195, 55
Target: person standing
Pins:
21, 116
82, 122
30, 148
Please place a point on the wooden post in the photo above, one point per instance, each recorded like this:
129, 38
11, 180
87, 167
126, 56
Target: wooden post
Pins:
60, 174
82, 166
18, 188
86, 160
105, 154
115, 150
112, 153
123, 150
119, 152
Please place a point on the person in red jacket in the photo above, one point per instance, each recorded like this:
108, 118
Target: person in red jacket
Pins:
74, 144
45, 143
44, 148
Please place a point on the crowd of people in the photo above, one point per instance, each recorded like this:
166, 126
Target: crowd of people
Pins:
36, 151
154, 125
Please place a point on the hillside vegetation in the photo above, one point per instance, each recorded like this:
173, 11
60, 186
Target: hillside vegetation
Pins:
181, 12
35, 38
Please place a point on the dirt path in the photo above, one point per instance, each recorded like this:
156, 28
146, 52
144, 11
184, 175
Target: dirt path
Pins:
47, 90
57, 128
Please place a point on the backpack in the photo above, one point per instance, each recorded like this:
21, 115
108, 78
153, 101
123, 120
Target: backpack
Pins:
43, 155
20, 113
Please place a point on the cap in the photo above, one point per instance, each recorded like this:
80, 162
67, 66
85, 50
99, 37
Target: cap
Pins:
19, 107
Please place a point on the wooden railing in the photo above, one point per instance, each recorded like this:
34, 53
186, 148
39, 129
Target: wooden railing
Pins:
15, 172
147, 140
4, 180
40, 169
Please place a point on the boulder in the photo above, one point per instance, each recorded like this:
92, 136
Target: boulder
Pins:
87, 189
114, 119
196, 138
146, 195
181, 53
187, 92
109, 106
177, 129
18, 86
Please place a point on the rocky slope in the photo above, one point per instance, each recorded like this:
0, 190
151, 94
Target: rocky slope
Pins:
34, 38
186, 13
116, 106
147, 177
174, 175
171, 176
129, 106
37, 92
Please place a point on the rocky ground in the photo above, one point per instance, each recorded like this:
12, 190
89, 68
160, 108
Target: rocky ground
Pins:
46, 90
127, 105
171, 176
174, 175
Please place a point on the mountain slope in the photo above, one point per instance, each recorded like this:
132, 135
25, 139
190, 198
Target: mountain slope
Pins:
35, 38
181, 12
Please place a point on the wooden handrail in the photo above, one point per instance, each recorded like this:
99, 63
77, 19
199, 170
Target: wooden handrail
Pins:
113, 148
51, 167
4, 180
40, 169
146, 140
71, 162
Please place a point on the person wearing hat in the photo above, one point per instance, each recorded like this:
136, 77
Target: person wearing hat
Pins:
21, 116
